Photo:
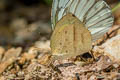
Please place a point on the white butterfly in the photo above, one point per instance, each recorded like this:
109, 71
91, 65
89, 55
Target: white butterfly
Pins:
95, 14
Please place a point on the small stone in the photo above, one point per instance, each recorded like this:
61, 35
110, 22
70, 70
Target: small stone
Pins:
112, 48
116, 65
2, 78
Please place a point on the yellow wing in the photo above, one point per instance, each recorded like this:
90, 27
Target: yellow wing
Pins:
70, 38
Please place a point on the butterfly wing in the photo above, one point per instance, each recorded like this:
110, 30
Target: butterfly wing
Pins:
70, 38
95, 14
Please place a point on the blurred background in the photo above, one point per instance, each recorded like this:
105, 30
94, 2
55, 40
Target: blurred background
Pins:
23, 22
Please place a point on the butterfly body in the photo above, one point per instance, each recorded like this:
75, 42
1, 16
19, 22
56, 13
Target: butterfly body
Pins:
70, 38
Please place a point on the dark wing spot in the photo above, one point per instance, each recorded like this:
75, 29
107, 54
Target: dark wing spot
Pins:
65, 32
66, 51
66, 39
60, 43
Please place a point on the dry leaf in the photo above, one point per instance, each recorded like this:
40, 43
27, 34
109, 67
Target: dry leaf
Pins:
26, 57
12, 53
44, 58
38, 72
5, 64
10, 56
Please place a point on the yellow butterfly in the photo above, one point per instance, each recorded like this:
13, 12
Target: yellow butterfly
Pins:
76, 24
70, 38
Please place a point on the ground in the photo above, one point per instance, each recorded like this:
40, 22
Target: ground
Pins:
25, 47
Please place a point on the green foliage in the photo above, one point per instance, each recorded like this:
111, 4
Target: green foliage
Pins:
49, 2
116, 7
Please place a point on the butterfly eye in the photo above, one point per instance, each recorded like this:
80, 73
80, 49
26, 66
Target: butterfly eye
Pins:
95, 14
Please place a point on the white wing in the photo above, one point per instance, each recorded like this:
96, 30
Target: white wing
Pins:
95, 14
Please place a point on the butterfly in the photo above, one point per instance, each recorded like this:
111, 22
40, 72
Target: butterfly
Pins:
76, 24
